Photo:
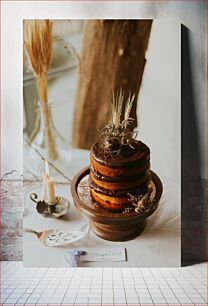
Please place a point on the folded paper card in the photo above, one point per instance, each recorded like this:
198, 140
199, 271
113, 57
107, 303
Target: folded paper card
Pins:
73, 257
105, 254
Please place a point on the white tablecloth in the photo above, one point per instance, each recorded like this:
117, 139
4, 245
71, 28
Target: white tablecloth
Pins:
158, 246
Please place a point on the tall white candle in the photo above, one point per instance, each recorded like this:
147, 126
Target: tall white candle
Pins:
49, 186
50, 191
44, 194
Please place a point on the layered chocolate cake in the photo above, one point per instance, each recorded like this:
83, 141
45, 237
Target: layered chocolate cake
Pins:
114, 177
120, 164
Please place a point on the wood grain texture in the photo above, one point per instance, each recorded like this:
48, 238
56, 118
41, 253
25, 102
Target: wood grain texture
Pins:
113, 56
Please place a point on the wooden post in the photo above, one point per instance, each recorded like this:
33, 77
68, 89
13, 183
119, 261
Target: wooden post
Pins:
112, 57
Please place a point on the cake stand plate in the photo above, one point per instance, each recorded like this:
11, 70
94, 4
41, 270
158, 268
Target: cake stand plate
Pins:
111, 226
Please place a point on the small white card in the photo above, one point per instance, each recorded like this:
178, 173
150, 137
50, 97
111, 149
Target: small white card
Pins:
105, 254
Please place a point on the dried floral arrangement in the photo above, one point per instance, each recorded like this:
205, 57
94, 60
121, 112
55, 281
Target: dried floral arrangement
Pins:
141, 203
38, 49
118, 132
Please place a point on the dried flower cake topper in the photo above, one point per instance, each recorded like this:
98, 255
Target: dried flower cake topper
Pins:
118, 132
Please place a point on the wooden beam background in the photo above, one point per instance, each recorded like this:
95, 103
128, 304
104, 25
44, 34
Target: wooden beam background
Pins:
112, 57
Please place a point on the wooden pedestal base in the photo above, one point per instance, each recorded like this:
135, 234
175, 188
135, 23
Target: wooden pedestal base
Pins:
107, 225
118, 233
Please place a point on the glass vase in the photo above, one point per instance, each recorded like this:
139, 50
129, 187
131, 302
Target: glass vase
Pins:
48, 144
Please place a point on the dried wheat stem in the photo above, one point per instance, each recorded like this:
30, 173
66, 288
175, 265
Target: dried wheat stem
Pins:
49, 135
128, 107
42, 85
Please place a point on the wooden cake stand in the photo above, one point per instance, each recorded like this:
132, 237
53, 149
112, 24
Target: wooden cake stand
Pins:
107, 225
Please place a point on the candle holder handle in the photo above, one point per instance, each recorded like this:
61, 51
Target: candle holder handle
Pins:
33, 197
55, 210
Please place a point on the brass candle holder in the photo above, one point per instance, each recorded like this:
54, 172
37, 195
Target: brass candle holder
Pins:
56, 210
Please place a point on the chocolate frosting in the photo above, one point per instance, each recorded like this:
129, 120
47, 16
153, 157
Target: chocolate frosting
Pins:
127, 157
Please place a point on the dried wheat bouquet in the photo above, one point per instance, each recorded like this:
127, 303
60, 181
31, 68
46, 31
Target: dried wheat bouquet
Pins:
38, 48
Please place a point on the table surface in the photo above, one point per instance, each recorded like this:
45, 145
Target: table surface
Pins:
158, 246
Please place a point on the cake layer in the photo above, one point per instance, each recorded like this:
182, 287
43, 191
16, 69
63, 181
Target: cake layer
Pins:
114, 172
127, 158
115, 204
120, 193
120, 186
118, 179
130, 162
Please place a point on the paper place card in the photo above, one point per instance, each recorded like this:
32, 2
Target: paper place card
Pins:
105, 254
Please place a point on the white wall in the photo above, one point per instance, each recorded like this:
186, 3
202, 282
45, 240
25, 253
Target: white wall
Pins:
159, 107
189, 13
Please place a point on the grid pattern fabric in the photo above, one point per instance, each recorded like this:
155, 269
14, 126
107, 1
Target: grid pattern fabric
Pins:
103, 286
